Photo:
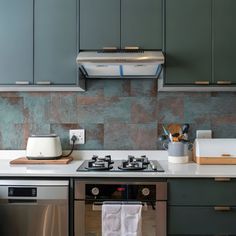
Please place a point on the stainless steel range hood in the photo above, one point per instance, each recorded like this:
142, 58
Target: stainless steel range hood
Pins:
128, 63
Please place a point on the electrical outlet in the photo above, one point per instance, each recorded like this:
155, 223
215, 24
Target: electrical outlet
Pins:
80, 134
204, 134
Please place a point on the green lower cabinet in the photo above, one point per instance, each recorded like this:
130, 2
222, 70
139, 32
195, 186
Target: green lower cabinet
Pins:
224, 39
201, 221
55, 42
187, 41
202, 207
201, 192
16, 41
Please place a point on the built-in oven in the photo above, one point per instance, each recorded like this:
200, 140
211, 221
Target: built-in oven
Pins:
91, 194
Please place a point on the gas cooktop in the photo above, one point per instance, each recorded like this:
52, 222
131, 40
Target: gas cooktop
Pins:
140, 164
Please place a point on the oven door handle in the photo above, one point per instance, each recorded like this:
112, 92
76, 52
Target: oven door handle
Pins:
97, 206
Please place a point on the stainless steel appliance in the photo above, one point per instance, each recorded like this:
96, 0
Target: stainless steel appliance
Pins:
34, 207
131, 163
91, 194
130, 62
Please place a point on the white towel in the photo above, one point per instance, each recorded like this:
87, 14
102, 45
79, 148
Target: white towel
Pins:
111, 220
131, 220
121, 220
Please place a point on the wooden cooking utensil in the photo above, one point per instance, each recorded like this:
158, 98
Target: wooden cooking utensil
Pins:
174, 128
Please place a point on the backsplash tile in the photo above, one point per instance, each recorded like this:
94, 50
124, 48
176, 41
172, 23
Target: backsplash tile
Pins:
116, 114
143, 110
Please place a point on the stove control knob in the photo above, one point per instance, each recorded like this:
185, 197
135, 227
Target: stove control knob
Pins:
95, 191
145, 191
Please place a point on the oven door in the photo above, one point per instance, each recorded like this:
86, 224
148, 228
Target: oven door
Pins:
88, 219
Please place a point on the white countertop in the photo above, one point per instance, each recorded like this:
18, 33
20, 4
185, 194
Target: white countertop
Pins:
188, 170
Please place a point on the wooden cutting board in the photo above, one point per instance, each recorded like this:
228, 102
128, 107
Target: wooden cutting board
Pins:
24, 160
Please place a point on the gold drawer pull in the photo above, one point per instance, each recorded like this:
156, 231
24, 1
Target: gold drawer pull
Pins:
222, 208
22, 82
43, 82
203, 82
109, 49
224, 82
225, 155
132, 48
222, 179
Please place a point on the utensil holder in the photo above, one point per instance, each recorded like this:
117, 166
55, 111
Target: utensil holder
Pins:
177, 152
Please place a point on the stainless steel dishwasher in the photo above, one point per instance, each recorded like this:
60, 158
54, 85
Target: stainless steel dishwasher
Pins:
34, 208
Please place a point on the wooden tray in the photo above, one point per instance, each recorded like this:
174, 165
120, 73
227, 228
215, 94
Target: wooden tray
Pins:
24, 160
215, 160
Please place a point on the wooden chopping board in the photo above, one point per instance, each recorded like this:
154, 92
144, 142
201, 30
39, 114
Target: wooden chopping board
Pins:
24, 160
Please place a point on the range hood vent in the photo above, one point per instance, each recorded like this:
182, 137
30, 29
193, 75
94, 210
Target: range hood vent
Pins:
131, 63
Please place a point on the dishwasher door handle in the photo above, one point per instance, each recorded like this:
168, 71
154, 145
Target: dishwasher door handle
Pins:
22, 202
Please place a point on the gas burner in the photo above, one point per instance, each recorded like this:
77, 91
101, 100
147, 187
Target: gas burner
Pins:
107, 158
142, 159
98, 165
132, 165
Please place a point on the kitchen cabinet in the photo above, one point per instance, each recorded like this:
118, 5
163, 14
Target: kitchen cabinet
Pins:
141, 23
202, 206
16, 41
38, 45
224, 38
120, 23
187, 41
99, 24
55, 42
199, 50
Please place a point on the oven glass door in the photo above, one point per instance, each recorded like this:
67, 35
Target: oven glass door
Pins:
88, 219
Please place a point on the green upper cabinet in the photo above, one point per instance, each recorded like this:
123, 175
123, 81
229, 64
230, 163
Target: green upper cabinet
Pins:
55, 42
224, 40
188, 41
99, 24
141, 23
16, 41
120, 23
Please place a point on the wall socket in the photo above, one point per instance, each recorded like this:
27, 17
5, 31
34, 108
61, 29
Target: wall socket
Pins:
204, 134
80, 134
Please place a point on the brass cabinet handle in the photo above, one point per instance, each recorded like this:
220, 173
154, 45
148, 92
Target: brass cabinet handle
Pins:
109, 49
224, 82
222, 208
133, 48
225, 155
43, 82
22, 82
222, 179
202, 82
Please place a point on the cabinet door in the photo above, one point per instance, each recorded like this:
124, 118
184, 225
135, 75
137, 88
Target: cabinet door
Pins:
55, 41
201, 192
201, 220
188, 41
141, 23
224, 39
16, 41
99, 24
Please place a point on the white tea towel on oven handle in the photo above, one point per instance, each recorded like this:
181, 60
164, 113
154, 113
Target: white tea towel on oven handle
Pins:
111, 220
131, 220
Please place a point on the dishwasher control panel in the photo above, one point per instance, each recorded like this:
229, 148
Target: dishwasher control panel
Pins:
22, 192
